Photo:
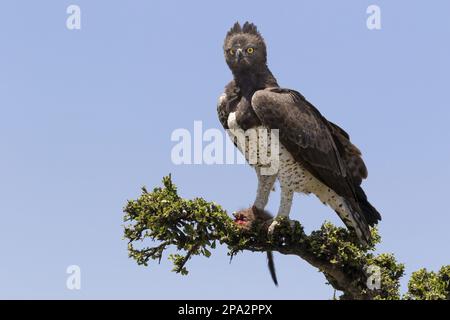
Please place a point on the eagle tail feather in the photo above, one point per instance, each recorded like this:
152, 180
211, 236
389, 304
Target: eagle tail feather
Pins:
371, 214
357, 223
364, 216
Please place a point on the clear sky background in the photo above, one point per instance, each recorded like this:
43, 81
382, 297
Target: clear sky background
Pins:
86, 118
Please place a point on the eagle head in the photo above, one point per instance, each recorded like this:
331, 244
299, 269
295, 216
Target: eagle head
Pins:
244, 48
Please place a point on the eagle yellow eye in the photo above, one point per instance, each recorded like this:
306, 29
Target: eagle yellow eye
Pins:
250, 50
231, 52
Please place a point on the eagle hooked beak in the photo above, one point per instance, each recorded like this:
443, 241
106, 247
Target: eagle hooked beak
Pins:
239, 55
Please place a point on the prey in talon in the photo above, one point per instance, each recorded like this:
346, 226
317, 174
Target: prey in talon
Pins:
286, 139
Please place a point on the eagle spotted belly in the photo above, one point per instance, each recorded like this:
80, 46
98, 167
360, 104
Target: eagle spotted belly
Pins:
292, 176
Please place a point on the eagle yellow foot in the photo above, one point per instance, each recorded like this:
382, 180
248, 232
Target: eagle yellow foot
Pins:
276, 223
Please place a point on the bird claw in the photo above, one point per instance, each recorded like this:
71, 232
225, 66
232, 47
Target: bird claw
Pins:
275, 223
272, 226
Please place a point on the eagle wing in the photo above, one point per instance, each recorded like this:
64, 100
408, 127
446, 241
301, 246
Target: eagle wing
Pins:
227, 102
352, 155
308, 136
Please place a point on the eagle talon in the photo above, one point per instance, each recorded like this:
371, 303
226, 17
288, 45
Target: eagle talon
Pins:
272, 227
276, 223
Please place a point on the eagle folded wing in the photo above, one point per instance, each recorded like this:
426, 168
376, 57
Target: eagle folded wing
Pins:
352, 155
307, 135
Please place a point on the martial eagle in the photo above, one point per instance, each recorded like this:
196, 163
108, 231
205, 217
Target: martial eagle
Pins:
315, 155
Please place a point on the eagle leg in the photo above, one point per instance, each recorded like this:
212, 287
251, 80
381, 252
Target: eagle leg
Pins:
265, 185
287, 196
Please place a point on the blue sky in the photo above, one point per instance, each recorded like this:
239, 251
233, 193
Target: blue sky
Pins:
86, 119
